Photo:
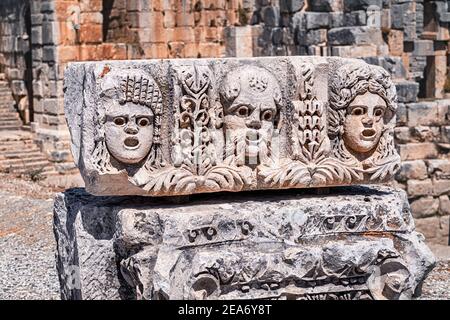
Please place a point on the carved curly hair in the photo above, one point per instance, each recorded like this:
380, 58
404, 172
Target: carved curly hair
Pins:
352, 80
132, 86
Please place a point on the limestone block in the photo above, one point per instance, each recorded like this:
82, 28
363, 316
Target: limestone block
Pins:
354, 51
444, 205
326, 5
314, 37
407, 91
425, 134
424, 207
395, 42
441, 186
386, 20
402, 135
415, 169
423, 113
271, 16
317, 20
402, 115
354, 243
417, 151
439, 168
355, 35
353, 5
174, 127
423, 48
355, 18
50, 35
419, 187
291, 6
394, 65
435, 229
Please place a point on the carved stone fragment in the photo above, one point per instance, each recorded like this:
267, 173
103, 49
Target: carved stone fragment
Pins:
177, 127
354, 243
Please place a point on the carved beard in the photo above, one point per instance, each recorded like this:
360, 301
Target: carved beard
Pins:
248, 147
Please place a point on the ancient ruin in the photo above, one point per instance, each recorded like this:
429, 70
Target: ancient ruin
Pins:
409, 38
191, 126
355, 243
195, 126
287, 118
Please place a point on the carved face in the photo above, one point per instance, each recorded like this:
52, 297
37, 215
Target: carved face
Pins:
129, 132
364, 123
251, 115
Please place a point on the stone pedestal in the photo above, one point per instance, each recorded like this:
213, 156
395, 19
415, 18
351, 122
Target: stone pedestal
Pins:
341, 243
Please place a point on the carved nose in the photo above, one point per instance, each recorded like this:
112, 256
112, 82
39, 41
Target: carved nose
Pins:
367, 121
131, 129
254, 124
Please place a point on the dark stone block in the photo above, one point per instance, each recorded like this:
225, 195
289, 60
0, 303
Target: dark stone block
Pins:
323, 5
407, 91
353, 5
317, 20
277, 36
291, 6
271, 16
354, 35
392, 64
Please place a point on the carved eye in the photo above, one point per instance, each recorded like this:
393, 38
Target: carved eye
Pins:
268, 115
379, 112
143, 122
358, 111
119, 121
242, 111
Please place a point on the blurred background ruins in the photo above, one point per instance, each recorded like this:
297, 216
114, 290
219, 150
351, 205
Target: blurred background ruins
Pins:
410, 38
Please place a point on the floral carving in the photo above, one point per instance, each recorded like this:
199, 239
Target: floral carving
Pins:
195, 163
310, 164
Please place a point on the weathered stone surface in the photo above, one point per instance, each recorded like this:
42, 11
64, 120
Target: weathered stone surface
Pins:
419, 187
174, 127
256, 245
439, 168
291, 6
354, 35
444, 205
394, 65
317, 20
352, 5
417, 151
423, 113
326, 5
407, 91
424, 207
415, 169
435, 229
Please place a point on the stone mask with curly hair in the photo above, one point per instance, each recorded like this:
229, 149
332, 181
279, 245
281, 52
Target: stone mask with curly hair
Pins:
362, 106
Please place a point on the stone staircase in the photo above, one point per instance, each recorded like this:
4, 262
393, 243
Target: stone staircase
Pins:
9, 117
18, 152
20, 155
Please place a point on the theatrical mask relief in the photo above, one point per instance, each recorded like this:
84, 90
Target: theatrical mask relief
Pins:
203, 125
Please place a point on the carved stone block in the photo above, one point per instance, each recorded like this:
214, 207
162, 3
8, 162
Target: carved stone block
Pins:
354, 243
175, 127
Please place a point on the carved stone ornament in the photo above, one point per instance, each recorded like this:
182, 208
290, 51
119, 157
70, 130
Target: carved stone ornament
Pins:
175, 127
356, 243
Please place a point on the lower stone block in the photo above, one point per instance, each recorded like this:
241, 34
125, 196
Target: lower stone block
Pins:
340, 243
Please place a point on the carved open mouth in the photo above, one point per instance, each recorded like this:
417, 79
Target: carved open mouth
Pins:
368, 134
253, 137
131, 143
